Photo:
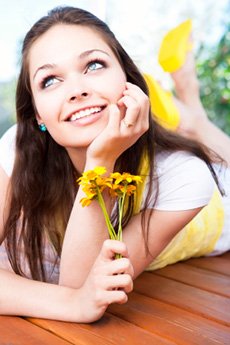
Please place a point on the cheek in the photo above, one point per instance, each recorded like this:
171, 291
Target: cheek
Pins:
117, 86
46, 108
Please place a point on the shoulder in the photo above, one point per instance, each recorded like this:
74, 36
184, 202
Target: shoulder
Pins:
185, 181
169, 163
7, 150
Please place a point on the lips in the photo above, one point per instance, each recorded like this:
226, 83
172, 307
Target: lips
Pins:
84, 113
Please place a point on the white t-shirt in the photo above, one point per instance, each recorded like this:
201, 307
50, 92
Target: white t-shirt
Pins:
7, 150
185, 182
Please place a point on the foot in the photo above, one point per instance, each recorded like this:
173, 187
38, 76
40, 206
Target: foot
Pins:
187, 100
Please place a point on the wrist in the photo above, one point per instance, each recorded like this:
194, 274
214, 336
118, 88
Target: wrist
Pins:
91, 163
70, 305
87, 310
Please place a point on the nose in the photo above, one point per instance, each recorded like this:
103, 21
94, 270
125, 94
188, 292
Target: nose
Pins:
78, 91
78, 96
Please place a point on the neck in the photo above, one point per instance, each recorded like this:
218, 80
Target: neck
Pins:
78, 158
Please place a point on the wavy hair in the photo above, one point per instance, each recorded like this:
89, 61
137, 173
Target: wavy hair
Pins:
43, 183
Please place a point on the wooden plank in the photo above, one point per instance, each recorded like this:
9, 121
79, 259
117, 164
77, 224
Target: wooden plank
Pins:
73, 332
17, 331
219, 264
107, 331
226, 255
171, 322
189, 298
198, 277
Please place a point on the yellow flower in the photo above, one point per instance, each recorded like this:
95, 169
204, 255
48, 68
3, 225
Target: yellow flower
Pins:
130, 189
92, 180
91, 175
90, 193
125, 178
119, 185
85, 201
115, 190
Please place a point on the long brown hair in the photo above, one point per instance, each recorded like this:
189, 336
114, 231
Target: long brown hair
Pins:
43, 182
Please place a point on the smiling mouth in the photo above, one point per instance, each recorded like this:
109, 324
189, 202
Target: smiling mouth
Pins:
85, 113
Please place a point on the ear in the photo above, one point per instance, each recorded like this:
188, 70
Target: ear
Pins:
38, 118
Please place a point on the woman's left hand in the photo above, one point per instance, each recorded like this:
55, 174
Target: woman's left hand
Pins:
128, 120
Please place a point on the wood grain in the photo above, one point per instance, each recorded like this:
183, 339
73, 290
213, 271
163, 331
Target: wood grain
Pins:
186, 304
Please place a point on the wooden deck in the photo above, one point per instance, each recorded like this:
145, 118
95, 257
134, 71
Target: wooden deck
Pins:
186, 303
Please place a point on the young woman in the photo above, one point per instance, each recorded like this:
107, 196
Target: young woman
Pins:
82, 103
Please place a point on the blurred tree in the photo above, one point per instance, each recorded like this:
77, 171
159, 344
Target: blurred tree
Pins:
213, 68
7, 105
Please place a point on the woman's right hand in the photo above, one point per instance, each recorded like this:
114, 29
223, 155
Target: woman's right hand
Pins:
128, 121
109, 281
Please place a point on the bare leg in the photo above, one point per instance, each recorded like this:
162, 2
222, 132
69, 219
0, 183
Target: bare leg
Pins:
194, 121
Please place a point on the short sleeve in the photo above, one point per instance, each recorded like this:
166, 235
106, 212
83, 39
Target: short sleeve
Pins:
7, 150
185, 182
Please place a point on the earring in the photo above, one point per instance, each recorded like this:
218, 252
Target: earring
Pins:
42, 127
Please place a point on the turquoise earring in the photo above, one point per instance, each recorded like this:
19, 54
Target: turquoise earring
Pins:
42, 127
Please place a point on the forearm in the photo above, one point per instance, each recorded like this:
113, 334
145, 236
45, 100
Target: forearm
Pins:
21, 296
108, 282
85, 234
214, 138
4, 182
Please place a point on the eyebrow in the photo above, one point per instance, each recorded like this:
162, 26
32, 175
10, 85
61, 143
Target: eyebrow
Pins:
81, 56
91, 51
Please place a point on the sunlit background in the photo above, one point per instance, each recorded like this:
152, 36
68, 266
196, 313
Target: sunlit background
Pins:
140, 27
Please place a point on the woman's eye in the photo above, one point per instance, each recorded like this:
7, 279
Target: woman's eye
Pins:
51, 80
95, 65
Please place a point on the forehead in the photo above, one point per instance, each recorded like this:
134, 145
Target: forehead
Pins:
63, 39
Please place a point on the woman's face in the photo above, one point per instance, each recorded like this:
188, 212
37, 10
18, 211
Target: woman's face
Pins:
74, 77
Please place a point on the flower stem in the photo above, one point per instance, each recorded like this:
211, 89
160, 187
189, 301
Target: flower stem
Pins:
112, 232
121, 209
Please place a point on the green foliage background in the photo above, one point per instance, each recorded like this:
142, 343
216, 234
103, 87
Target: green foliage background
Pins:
7, 105
213, 68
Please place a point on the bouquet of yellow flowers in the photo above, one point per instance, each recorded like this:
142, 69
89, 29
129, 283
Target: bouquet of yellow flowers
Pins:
120, 186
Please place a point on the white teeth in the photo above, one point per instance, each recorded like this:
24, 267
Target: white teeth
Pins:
84, 113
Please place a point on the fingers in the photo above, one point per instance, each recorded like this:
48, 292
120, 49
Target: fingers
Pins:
128, 120
120, 266
122, 282
109, 280
136, 103
119, 297
114, 274
113, 289
116, 296
112, 247
115, 116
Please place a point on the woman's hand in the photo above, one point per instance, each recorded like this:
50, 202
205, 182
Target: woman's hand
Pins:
128, 120
108, 282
